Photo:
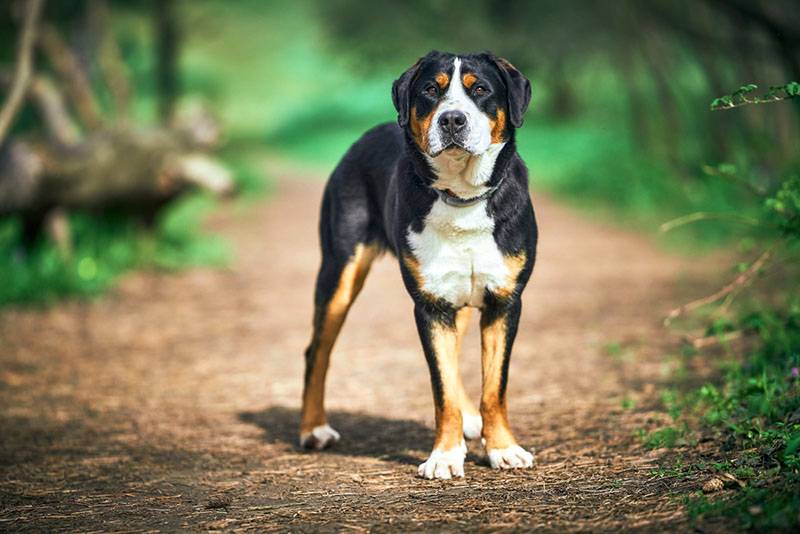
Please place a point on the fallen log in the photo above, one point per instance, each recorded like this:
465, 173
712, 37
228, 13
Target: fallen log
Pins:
115, 168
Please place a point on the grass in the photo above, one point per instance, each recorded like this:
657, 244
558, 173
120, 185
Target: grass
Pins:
667, 437
752, 508
105, 247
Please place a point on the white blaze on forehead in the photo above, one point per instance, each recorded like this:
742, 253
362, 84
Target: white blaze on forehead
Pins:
479, 128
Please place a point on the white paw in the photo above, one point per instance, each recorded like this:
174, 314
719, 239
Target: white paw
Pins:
444, 464
473, 424
510, 458
319, 438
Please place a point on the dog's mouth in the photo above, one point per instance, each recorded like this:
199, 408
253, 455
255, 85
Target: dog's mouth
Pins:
452, 149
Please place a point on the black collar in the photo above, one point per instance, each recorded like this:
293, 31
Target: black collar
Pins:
458, 202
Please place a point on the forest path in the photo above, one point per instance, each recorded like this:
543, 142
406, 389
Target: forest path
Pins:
173, 402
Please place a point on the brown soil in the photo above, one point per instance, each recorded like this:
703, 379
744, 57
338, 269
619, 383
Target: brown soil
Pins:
172, 403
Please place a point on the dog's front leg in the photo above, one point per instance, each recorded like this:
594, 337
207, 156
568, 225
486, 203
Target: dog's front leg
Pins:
439, 335
499, 322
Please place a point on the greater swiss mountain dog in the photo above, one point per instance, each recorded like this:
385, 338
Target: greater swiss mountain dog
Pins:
445, 191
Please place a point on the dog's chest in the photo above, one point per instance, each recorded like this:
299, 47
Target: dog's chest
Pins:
457, 255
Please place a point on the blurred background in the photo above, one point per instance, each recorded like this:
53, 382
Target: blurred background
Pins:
619, 124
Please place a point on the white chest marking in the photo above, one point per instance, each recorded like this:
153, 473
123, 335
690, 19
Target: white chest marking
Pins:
457, 255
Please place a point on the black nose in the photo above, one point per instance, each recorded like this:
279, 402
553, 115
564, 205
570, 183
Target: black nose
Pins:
452, 121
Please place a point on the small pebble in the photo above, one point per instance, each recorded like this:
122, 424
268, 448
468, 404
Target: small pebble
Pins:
713, 485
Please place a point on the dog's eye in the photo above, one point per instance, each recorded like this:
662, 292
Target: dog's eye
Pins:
481, 90
432, 91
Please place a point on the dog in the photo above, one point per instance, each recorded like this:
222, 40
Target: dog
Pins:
445, 191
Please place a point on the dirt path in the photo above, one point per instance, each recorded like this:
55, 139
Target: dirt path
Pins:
173, 402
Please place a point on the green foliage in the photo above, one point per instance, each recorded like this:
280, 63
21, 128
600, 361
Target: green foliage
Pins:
756, 508
744, 96
667, 437
598, 170
104, 248
783, 209
757, 407
179, 241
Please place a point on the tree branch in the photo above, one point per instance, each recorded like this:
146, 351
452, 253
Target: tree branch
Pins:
740, 281
24, 67
70, 70
111, 63
704, 216
50, 103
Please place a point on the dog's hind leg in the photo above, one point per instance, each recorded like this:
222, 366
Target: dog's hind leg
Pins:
470, 417
339, 281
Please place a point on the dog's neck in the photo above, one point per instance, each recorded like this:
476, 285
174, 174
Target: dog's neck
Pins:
464, 174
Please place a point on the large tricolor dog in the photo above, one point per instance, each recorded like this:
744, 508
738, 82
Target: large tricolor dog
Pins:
445, 191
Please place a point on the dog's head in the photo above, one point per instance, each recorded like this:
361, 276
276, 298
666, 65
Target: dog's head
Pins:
467, 102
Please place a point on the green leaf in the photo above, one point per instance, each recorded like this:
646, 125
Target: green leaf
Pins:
793, 445
749, 88
792, 89
722, 102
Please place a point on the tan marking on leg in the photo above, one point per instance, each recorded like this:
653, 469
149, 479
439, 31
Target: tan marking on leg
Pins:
496, 430
498, 126
442, 79
469, 80
462, 322
449, 431
419, 128
350, 283
514, 264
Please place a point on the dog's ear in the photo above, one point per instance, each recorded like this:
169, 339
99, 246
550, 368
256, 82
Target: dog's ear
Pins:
400, 92
518, 89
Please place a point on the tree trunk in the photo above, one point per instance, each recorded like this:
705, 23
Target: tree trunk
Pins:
168, 43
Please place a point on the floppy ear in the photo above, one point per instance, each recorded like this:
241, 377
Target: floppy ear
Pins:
518, 88
400, 96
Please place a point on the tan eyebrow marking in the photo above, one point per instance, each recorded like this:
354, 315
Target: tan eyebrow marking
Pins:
442, 79
469, 80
